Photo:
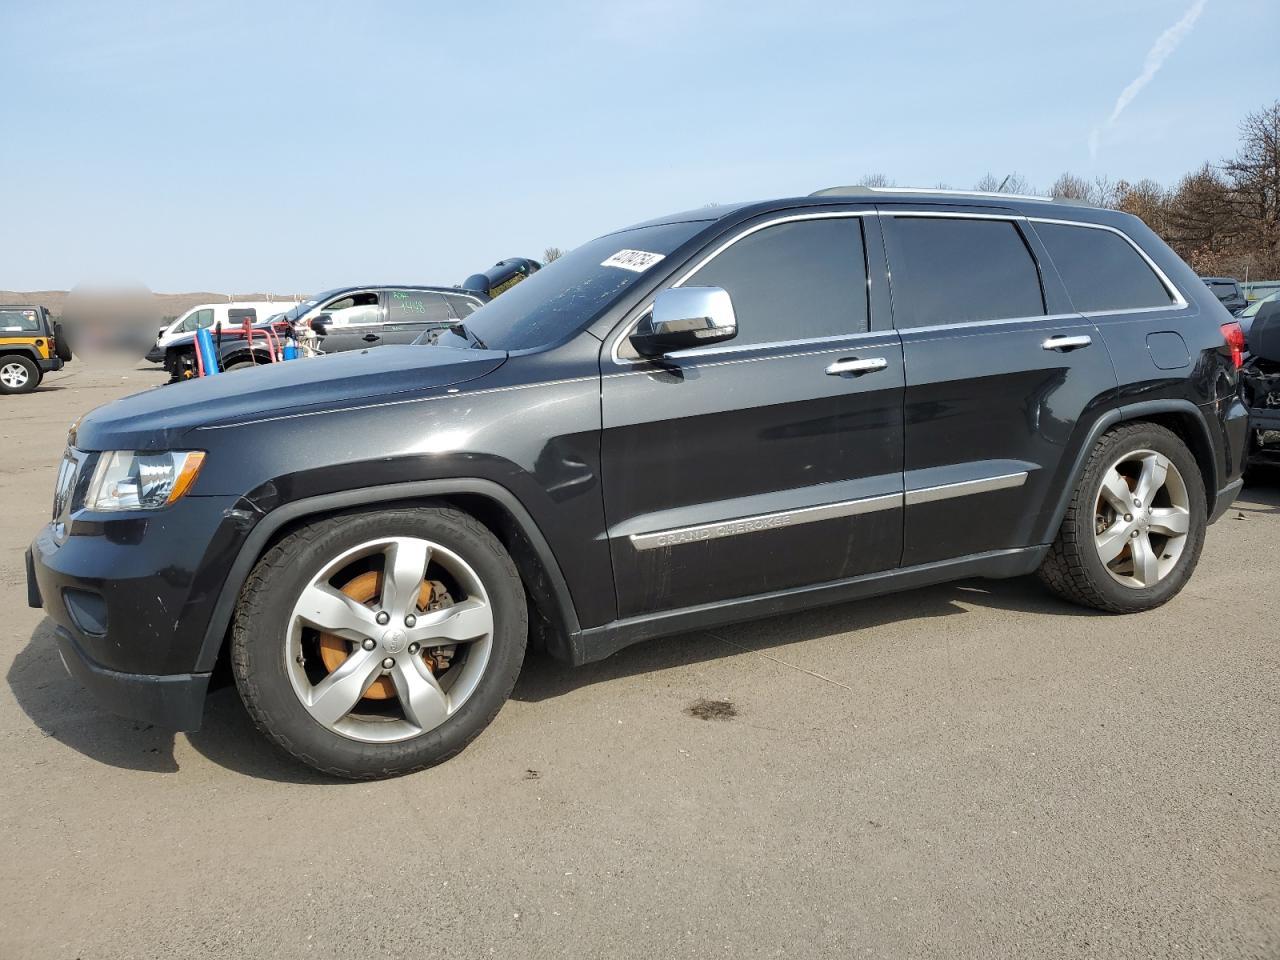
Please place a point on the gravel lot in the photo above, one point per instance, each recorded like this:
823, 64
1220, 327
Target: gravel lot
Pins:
969, 770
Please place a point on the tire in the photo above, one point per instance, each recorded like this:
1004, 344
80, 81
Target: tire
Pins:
294, 682
62, 345
240, 365
1139, 577
18, 374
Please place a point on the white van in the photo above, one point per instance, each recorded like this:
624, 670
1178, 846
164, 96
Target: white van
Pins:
208, 314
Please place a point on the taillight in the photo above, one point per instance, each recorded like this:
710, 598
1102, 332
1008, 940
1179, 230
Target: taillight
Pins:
1235, 340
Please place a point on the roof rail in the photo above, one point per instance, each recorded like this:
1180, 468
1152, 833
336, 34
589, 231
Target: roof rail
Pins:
861, 191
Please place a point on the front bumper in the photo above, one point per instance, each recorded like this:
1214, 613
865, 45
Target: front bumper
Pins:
154, 355
131, 598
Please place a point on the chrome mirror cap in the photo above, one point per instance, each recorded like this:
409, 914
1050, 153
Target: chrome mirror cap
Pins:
684, 317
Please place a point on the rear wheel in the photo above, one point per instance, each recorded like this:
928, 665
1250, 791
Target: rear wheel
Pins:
373, 645
18, 374
1135, 526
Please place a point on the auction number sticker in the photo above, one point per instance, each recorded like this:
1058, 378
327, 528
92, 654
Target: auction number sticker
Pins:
637, 261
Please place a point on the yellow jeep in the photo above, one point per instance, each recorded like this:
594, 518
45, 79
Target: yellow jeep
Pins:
31, 344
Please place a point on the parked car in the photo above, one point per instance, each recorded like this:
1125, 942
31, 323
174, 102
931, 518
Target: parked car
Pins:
236, 350
208, 315
1228, 292
709, 417
31, 344
356, 318
1246, 315
1261, 380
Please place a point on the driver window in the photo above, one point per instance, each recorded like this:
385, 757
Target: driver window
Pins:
198, 321
354, 309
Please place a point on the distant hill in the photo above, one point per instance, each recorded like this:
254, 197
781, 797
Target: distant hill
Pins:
166, 304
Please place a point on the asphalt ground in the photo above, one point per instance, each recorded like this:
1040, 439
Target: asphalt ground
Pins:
969, 770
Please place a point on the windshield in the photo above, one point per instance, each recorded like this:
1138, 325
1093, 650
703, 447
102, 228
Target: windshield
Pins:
1252, 309
570, 292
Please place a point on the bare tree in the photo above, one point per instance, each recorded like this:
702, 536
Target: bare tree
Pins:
1254, 176
875, 180
1070, 187
1010, 183
551, 253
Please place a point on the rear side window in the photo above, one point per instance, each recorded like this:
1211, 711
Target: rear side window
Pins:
794, 281
1101, 269
961, 270
417, 306
19, 321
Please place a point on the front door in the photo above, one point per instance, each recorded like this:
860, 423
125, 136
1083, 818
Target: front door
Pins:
355, 322
999, 371
773, 460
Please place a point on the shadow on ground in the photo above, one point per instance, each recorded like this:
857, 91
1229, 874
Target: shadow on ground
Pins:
61, 709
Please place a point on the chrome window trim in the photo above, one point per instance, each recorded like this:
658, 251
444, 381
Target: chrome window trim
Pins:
789, 218
938, 327
842, 345
1180, 302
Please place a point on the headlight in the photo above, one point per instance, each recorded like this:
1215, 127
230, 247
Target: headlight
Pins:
141, 481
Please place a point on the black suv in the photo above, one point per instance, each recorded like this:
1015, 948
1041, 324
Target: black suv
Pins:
718, 415
1228, 292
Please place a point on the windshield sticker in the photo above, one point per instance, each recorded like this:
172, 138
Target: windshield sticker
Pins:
637, 261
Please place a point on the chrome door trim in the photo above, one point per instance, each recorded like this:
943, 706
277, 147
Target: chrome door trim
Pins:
674, 536
964, 488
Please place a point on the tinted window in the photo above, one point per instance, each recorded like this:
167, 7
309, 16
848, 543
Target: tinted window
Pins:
795, 281
1101, 269
420, 306
954, 271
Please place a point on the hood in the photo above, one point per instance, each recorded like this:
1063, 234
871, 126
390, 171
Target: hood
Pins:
158, 418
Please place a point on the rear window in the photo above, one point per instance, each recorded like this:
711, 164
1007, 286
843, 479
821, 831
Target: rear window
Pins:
19, 321
1101, 269
956, 271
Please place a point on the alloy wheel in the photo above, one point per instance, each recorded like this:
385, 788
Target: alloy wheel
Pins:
1142, 517
389, 639
14, 375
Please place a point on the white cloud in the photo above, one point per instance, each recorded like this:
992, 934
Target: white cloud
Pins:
1160, 51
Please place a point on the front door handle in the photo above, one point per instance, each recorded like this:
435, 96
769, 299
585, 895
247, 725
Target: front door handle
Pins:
856, 366
1063, 344
370, 337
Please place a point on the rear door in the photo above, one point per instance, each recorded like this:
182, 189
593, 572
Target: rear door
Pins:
410, 313
355, 321
762, 463
999, 370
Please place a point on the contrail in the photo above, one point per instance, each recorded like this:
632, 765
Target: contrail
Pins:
1165, 44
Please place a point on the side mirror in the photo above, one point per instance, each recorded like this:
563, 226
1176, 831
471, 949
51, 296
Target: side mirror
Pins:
684, 317
1263, 337
320, 324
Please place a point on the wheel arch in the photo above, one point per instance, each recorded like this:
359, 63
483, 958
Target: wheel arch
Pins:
492, 504
20, 350
1182, 417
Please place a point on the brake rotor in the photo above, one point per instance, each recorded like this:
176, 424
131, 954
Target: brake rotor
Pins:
334, 650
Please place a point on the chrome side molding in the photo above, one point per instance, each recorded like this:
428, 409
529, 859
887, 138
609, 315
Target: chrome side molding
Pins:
965, 488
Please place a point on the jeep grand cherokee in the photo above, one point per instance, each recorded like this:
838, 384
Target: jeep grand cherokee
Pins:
718, 415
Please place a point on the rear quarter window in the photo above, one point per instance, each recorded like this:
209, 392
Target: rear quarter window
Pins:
1101, 270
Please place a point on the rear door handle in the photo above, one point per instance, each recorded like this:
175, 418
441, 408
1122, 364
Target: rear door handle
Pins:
856, 366
1063, 344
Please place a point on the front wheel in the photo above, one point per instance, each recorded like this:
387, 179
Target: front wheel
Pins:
372, 645
1135, 526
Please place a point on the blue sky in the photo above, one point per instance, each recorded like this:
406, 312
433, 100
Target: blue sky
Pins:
295, 146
